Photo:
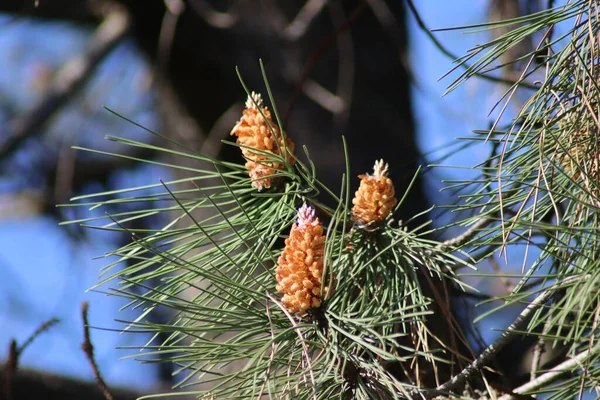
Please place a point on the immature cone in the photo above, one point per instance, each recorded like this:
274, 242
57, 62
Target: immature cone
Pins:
253, 132
299, 270
374, 199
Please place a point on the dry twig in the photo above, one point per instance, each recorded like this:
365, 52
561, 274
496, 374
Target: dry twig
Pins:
88, 349
14, 352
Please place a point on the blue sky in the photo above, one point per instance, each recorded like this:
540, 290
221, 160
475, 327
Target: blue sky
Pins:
52, 280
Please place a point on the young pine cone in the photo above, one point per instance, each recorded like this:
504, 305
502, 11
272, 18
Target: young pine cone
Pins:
254, 133
299, 270
374, 199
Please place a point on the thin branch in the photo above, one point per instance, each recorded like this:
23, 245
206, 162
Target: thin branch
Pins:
540, 347
551, 376
88, 349
14, 352
296, 29
10, 370
513, 329
317, 54
447, 53
174, 9
41, 329
473, 230
216, 19
69, 80
466, 236
323, 97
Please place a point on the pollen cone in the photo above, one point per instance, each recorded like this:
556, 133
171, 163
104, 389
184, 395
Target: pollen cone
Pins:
299, 271
259, 136
375, 197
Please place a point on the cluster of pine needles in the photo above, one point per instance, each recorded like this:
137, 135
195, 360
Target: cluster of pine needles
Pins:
273, 293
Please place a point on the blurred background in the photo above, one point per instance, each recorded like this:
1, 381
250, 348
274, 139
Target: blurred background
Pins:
364, 69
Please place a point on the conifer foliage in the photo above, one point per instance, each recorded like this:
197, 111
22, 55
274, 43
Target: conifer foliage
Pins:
292, 298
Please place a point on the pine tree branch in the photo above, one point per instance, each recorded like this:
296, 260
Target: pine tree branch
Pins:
10, 368
480, 224
513, 329
452, 56
553, 375
69, 80
539, 348
465, 236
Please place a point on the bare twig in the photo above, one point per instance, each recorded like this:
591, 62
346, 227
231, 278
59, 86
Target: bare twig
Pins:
551, 376
10, 369
466, 236
88, 349
174, 9
68, 81
515, 327
14, 352
317, 54
323, 97
41, 329
216, 19
296, 29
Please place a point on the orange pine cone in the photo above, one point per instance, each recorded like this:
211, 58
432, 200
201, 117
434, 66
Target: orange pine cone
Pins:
253, 132
375, 197
299, 270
